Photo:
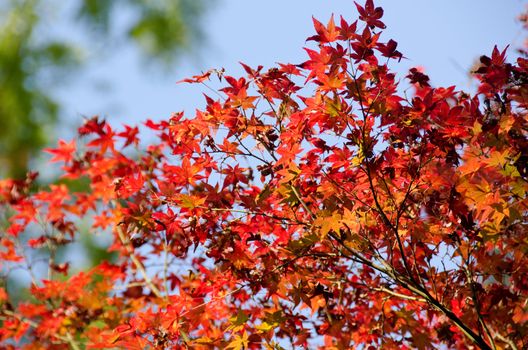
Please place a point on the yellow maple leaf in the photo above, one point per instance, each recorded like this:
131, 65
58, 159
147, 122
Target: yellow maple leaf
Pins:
326, 224
239, 342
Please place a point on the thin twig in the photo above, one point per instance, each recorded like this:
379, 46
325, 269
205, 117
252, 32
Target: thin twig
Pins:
68, 338
399, 295
137, 263
507, 341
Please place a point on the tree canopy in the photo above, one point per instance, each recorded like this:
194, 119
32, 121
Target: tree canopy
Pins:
326, 204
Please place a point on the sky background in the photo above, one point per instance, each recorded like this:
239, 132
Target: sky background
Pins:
444, 37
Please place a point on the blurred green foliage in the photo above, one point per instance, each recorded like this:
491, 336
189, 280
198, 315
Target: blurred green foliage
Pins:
30, 63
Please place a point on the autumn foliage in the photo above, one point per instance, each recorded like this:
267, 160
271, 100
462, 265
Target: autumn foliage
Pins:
327, 204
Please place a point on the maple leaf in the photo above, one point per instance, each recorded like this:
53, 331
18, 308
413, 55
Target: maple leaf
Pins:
325, 34
130, 184
370, 14
239, 342
130, 135
64, 152
389, 50
105, 139
190, 202
197, 78
417, 77
327, 224
347, 31
92, 126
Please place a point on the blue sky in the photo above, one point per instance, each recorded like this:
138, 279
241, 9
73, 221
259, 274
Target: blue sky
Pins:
445, 37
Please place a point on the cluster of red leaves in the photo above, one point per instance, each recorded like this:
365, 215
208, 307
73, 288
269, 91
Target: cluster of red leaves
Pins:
308, 205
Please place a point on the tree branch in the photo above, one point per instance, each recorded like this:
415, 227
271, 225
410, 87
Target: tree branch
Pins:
137, 263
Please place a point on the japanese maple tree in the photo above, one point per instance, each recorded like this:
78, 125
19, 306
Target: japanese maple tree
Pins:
309, 205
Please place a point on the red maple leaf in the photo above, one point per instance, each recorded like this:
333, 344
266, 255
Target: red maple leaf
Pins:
64, 152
